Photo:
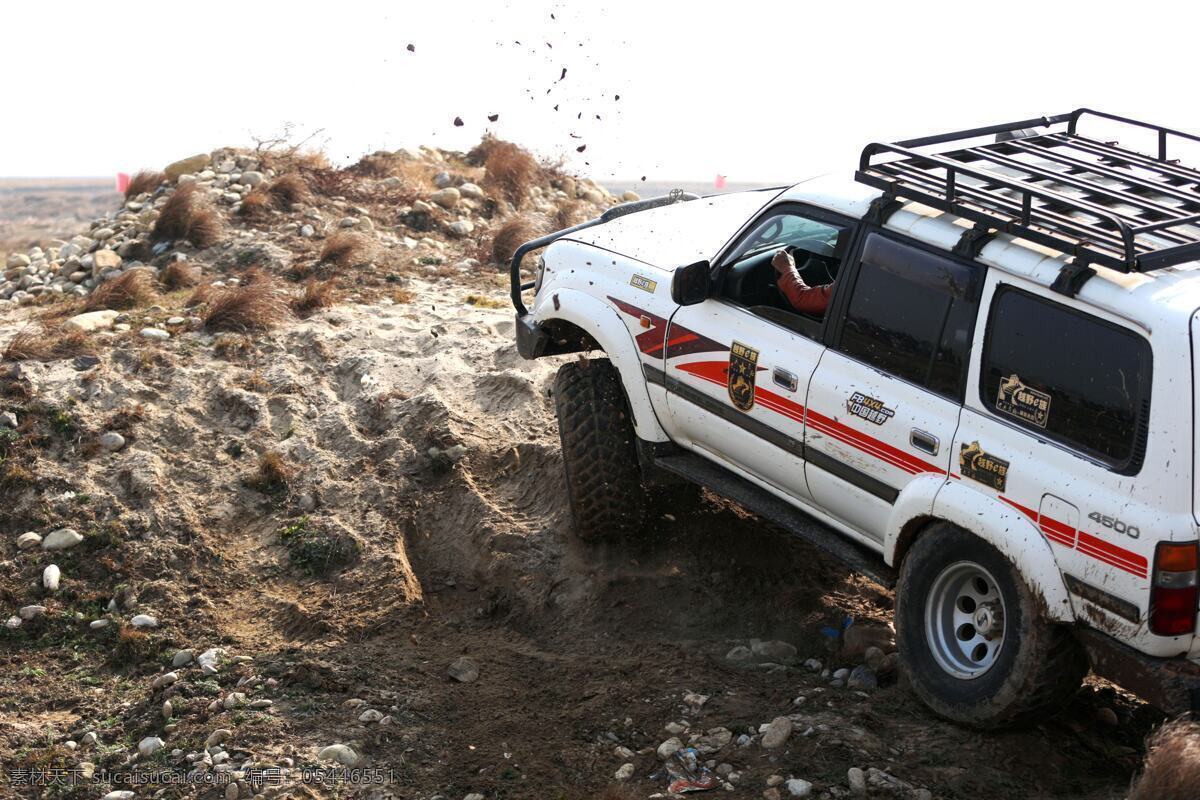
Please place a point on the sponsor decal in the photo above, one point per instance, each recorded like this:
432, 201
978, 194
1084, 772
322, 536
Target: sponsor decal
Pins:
869, 408
1020, 401
982, 467
743, 367
643, 283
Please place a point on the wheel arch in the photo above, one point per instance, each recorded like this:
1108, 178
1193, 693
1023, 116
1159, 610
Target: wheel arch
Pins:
1012, 533
575, 313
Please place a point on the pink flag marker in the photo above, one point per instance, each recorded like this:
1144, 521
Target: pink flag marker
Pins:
122, 182
719, 183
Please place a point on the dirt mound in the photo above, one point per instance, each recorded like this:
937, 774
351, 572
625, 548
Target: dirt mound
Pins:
277, 527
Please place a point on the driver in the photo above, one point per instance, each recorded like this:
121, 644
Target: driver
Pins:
804, 298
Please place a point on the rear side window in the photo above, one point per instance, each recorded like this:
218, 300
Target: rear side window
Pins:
1068, 376
911, 314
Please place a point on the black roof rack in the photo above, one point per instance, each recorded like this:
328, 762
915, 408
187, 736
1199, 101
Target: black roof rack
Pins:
1100, 202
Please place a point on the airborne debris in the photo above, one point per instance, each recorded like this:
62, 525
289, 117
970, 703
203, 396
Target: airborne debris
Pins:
458, 123
493, 117
411, 48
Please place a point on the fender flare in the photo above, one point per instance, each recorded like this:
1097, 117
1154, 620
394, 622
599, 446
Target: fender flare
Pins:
914, 505
1012, 533
609, 331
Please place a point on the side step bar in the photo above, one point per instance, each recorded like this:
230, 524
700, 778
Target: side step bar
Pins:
713, 476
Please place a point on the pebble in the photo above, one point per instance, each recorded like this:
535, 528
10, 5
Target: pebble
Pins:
181, 658
155, 333
474, 796
841, 674
777, 733
446, 198
340, 753
31, 612
624, 772
62, 539
150, 745
88, 739
739, 654
370, 715
861, 677
166, 679
13, 622
111, 441
471, 190
623, 753
875, 658
50, 578
798, 788
8, 419
234, 699
773, 650
462, 227
97, 624
144, 621
167, 710
307, 231
669, 748
218, 736
463, 670
119, 794
28, 540
857, 780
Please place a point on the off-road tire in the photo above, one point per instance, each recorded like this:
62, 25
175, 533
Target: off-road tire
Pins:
1038, 668
599, 449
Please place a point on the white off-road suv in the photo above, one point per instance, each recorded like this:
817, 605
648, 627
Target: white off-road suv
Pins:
997, 413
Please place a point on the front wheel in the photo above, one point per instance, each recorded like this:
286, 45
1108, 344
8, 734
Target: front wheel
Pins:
972, 641
599, 448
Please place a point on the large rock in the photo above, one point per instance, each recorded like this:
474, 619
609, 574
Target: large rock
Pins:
340, 753
463, 670
777, 733
62, 539
92, 321
185, 165
103, 261
446, 198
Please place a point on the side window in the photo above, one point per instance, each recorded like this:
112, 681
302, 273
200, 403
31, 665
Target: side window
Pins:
749, 280
1067, 376
912, 314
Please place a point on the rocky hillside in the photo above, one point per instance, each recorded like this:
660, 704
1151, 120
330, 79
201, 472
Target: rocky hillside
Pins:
284, 518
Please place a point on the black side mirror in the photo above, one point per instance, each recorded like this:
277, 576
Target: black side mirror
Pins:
691, 284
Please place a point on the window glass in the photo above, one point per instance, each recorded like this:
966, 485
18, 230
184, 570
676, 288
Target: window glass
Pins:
1067, 375
912, 314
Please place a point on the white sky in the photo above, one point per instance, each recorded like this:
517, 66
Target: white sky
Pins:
752, 90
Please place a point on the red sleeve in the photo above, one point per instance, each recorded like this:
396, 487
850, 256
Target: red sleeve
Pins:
804, 298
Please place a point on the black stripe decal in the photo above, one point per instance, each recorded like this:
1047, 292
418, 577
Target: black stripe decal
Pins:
868, 483
1122, 608
795, 447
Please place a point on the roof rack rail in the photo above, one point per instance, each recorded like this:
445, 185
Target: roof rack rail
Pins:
1095, 200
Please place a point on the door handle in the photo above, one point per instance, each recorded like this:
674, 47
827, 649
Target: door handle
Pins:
785, 379
923, 441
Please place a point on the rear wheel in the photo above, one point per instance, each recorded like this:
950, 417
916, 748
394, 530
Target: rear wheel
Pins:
599, 448
972, 640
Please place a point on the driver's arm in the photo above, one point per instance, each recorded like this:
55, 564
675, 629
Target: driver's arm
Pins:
804, 298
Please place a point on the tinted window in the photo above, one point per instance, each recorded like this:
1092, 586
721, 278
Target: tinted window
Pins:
912, 314
1070, 376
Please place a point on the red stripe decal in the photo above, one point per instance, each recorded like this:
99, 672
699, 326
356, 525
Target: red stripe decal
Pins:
1088, 545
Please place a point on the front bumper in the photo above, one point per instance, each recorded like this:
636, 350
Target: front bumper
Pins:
1170, 684
532, 341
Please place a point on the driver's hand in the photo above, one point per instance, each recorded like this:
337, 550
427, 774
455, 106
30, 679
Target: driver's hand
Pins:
783, 262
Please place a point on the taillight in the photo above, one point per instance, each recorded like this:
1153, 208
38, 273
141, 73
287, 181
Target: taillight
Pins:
1174, 592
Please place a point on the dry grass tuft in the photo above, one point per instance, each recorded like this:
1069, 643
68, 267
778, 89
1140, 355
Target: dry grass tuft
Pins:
187, 216
287, 190
510, 170
143, 182
203, 294
179, 275
346, 250
402, 296
480, 301
34, 343
272, 476
255, 205
1172, 769
130, 289
132, 646
257, 306
375, 165
314, 296
508, 238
